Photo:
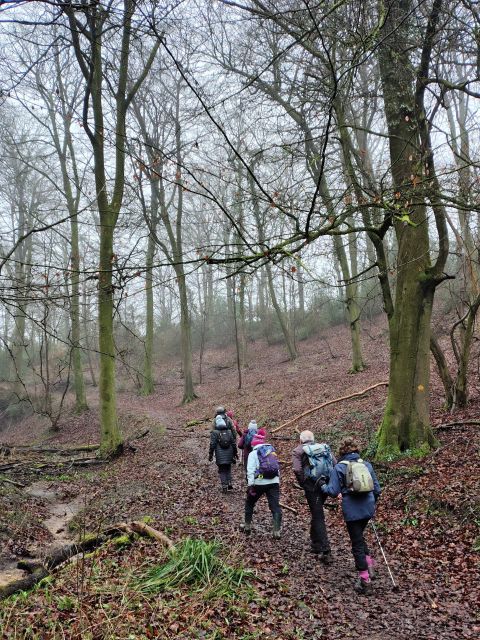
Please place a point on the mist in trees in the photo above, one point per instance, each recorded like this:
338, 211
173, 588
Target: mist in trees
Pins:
185, 176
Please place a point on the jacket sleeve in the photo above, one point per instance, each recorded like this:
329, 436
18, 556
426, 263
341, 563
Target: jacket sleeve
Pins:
241, 442
234, 446
297, 462
213, 443
334, 486
252, 465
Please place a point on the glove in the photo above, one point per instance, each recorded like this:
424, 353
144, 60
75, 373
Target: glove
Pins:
251, 491
210, 458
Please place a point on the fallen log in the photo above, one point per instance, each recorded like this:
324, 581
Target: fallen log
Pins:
325, 404
39, 570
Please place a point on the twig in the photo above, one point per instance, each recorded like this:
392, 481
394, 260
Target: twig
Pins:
325, 404
285, 506
15, 484
451, 425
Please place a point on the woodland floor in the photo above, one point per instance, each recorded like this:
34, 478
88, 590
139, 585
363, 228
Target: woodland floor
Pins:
428, 516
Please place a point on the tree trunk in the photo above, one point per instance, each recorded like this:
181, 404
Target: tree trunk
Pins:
353, 309
111, 440
148, 380
406, 420
443, 370
78, 379
186, 337
292, 352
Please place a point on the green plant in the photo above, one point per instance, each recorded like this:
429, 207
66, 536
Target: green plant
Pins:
190, 520
66, 603
195, 563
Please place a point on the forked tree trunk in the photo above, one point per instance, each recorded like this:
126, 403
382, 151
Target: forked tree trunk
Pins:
406, 420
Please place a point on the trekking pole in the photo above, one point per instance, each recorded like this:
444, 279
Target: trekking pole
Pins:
395, 586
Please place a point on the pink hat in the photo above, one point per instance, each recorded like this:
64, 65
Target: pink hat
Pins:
230, 413
259, 437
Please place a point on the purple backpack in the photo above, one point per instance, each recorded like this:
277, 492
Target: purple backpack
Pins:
268, 466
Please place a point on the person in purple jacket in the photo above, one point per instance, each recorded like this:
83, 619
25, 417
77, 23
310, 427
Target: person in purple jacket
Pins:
358, 509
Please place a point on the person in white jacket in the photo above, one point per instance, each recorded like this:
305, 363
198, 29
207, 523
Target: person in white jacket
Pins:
259, 485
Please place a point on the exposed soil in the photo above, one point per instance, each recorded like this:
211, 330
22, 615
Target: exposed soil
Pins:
427, 517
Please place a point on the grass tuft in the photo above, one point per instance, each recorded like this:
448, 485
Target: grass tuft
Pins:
196, 564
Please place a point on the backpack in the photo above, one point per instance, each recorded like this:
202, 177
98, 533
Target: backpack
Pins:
358, 478
320, 460
224, 438
268, 466
220, 422
247, 441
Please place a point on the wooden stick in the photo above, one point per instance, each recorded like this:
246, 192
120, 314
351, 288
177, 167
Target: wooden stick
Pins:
451, 425
145, 530
15, 484
285, 506
325, 404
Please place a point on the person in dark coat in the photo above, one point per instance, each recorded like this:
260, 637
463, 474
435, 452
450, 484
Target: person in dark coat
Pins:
358, 509
224, 446
221, 411
318, 531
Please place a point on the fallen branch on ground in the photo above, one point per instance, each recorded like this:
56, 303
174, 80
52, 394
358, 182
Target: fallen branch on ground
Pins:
451, 425
38, 570
285, 506
15, 484
325, 404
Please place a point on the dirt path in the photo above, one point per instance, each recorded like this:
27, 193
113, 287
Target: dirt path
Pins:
318, 601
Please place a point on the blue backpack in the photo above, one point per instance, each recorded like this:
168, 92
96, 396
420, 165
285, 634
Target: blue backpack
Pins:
247, 441
320, 460
268, 465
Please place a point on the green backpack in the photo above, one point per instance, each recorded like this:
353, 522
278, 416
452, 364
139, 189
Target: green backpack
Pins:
358, 478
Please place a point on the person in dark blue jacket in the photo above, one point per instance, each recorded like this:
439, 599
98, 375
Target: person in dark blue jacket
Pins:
358, 509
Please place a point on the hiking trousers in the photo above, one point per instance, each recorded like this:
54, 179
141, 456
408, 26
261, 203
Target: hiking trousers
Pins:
356, 530
318, 530
225, 473
272, 491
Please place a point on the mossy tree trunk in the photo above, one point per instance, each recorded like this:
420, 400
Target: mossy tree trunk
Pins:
406, 420
87, 41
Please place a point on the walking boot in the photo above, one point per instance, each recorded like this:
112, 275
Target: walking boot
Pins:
326, 558
246, 527
277, 525
225, 489
363, 584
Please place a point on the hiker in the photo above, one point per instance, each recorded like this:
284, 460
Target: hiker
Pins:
263, 477
245, 442
223, 445
312, 460
230, 415
221, 411
355, 479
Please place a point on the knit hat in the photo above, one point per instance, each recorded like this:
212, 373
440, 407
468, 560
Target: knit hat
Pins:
259, 437
230, 413
252, 425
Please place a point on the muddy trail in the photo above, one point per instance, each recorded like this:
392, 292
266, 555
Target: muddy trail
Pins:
426, 522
